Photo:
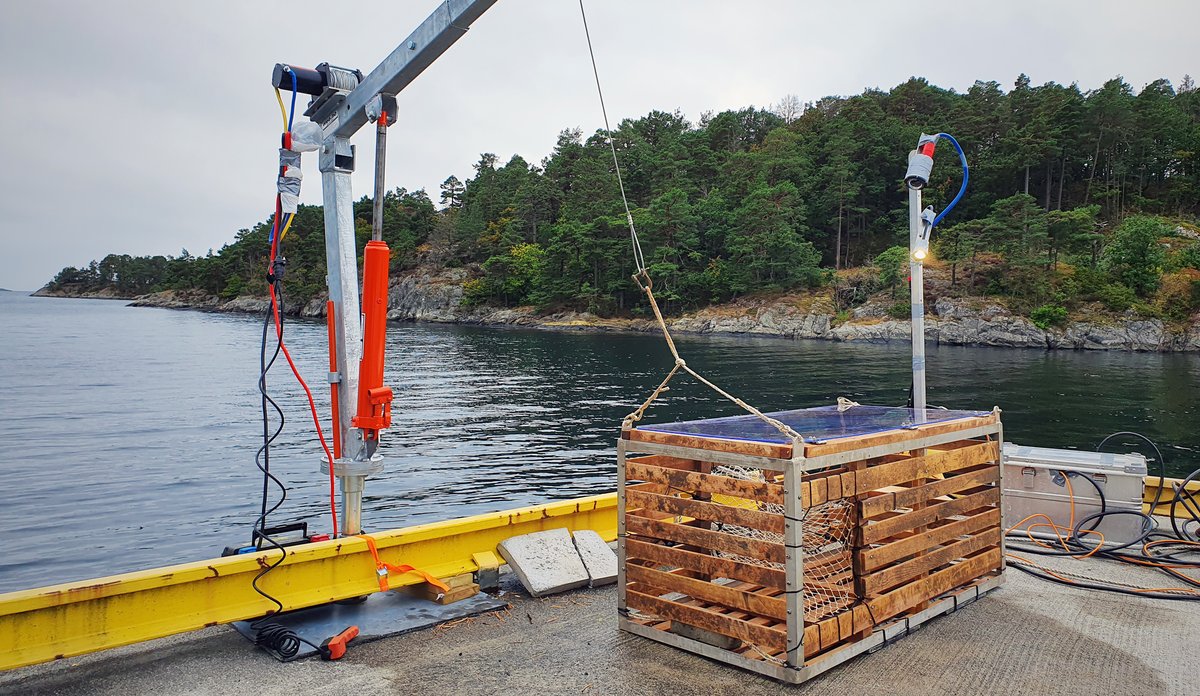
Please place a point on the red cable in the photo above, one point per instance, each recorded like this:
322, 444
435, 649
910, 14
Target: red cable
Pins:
307, 392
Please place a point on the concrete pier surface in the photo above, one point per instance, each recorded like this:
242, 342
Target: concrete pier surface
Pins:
1028, 637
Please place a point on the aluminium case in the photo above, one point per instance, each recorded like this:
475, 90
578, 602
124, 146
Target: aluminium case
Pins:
1034, 483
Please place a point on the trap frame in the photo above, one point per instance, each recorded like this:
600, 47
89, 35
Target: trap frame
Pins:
789, 557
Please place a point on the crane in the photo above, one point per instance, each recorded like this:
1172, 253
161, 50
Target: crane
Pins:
342, 102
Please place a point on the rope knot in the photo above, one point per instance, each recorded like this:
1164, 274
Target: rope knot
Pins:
681, 362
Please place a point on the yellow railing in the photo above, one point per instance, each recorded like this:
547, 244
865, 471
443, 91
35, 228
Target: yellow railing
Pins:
74, 618
1153, 483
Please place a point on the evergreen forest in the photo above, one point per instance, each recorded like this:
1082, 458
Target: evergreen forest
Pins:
1079, 199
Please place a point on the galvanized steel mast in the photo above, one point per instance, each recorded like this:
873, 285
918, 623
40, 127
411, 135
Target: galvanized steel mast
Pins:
343, 102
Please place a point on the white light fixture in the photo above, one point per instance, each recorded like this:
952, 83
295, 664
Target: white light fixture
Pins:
920, 249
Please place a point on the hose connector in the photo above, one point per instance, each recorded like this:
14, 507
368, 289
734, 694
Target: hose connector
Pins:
920, 162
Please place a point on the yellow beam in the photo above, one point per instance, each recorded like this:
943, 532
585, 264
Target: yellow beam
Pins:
80, 617
1153, 483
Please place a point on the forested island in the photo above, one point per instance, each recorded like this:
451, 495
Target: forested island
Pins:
1081, 210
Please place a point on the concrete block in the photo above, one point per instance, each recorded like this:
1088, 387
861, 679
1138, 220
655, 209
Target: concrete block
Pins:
598, 558
545, 562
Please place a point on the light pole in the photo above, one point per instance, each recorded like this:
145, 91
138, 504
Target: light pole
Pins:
920, 226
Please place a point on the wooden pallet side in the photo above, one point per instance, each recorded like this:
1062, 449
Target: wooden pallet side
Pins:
681, 480
710, 540
704, 510
771, 638
935, 462
639, 551
712, 444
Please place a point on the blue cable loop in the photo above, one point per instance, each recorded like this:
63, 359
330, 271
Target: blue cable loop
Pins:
962, 189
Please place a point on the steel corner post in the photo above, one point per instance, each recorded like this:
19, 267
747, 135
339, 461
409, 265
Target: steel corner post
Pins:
341, 264
916, 284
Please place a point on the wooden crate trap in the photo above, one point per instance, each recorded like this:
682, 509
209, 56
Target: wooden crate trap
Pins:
876, 521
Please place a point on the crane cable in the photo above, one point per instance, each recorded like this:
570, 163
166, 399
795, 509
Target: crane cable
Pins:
645, 284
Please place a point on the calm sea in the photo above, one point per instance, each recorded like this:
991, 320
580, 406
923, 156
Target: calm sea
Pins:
127, 435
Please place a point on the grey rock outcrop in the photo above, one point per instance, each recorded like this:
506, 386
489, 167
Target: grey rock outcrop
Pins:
422, 296
437, 296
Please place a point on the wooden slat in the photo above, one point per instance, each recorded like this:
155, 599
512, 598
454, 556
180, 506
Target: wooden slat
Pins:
933, 463
845, 625
760, 491
761, 605
705, 538
874, 558
769, 638
715, 512
891, 576
898, 601
889, 437
907, 596
819, 562
714, 566
757, 449
665, 462
875, 531
907, 497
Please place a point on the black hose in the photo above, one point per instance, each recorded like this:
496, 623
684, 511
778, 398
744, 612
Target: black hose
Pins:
1162, 462
1191, 505
262, 458
282, 641
1077, 547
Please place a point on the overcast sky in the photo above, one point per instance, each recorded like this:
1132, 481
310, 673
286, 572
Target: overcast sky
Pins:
148, 127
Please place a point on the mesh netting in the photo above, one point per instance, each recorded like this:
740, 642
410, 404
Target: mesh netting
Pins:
826, 533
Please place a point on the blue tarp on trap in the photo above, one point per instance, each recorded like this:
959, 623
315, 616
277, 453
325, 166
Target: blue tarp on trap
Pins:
814, 424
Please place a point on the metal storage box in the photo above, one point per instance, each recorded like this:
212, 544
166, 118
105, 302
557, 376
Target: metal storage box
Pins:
1034, 483
789, 554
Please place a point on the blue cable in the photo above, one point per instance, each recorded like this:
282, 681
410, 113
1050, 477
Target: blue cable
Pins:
292, 113
962, 189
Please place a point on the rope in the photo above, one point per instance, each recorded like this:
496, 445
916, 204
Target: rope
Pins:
639, 260
643, 281
844, 404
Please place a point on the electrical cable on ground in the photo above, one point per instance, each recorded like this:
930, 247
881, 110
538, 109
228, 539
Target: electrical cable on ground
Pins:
1159, 550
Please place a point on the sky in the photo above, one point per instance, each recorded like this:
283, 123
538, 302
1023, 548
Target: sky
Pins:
150, 127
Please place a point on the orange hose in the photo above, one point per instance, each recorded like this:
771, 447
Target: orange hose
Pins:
333, 387
1169, 568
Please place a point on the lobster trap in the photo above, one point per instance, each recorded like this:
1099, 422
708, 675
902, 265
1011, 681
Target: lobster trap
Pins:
788, 557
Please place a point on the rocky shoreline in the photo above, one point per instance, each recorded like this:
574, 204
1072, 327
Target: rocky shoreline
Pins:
105, 294
427, 296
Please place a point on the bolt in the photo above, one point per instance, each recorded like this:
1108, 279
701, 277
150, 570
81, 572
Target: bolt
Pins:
412, 45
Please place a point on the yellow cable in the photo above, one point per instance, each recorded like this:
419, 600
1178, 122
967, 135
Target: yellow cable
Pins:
286, 226
283, 112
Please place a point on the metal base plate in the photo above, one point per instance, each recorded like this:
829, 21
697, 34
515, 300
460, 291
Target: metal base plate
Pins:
383, 614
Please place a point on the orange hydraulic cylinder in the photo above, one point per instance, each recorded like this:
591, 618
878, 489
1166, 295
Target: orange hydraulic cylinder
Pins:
374, 399
333, 387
